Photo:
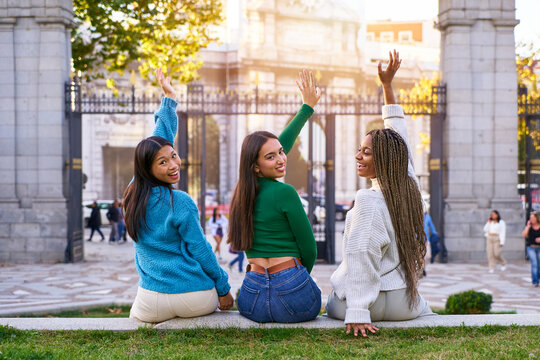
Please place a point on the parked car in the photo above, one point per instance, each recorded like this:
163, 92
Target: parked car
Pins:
341, 208
103, 208
319, 212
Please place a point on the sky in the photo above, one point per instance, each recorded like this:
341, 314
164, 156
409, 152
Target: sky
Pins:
527, 11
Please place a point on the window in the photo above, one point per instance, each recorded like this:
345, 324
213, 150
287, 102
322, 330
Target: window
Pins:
405, 36
387, 36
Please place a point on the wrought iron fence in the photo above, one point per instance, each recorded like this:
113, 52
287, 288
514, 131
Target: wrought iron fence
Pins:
199, 99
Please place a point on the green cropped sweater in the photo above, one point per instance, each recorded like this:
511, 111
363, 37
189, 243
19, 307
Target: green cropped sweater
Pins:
281, 226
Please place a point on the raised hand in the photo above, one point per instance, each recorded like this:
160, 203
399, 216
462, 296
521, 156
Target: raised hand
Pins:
165, 84
310, 93
386, 75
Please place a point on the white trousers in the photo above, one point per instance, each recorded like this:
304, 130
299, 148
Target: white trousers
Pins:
152, 306
390, 306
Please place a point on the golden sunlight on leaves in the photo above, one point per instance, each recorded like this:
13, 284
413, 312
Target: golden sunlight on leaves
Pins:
425, 142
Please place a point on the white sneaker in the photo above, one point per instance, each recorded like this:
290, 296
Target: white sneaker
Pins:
503, 267
491, 271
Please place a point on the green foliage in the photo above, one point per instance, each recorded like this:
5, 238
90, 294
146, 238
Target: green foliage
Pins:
469, 302
110, 36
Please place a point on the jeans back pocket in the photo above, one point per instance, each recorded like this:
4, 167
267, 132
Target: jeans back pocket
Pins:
302, 300
247, 298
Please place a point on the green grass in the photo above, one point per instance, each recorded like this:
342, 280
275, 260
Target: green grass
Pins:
488, 342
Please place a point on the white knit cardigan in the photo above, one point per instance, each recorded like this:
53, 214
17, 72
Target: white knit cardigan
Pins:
370, 254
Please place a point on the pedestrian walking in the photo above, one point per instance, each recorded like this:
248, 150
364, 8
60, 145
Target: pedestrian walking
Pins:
218, 225
433, 239
268, 222
495, 233
122, 237
95, 221
179, 273
238, 259
113, 215
384, 242
531, 233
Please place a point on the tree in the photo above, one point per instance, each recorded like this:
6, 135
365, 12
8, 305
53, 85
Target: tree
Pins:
113, 35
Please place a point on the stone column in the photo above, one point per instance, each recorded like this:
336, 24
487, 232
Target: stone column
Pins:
34, 61
480, 131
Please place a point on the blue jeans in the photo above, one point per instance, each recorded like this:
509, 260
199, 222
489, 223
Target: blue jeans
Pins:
287, 296
238, 259
534, 256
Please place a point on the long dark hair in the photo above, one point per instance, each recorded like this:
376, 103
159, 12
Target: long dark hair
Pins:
138, 192
245, 192
214, 214
498, 215
404, 202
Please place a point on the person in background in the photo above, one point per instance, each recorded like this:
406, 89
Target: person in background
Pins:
531, 233
95, 221
495, 233
238, 259
218, 225
432, 236
122, 233
113, 214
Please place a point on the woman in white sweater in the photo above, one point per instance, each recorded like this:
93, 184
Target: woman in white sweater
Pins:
384, 241
495, 233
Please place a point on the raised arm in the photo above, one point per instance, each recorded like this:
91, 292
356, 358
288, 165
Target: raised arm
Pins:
525, 232
387, 76
310, 97
165, 118
393, 115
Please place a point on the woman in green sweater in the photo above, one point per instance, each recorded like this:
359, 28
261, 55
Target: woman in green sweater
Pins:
268, 222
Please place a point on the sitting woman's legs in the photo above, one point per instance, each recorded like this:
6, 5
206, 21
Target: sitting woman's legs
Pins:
394, 306
152, 306
335, 307
389, 306
287, 296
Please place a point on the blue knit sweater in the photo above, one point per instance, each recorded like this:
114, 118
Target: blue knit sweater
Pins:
172, 255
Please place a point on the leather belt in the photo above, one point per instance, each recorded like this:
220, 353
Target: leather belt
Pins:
274, 268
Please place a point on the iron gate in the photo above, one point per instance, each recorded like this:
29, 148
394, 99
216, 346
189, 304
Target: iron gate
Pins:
198, 102
529, 151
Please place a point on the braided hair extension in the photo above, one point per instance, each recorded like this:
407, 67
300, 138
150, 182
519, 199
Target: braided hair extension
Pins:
404, 202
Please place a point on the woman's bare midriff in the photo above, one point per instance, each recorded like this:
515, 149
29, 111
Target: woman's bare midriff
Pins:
268, 262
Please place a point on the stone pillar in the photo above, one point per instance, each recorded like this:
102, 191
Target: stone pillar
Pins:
480, 131
34, 62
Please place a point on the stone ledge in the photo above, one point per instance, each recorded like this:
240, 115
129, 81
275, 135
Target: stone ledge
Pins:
232, 319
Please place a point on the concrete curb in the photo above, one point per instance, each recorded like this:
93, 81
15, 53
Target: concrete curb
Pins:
233, 319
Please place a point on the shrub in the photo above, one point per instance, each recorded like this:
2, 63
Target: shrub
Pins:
469, 302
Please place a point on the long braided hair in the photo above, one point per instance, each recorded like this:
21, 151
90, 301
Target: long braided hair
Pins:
404, 202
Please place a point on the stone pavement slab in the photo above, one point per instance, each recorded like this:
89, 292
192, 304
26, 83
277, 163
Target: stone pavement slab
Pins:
232, 319
108, 276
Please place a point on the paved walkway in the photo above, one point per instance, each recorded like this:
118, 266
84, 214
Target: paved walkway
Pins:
108, 276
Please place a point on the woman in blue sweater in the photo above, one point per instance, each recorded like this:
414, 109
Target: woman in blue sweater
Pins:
179, 273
